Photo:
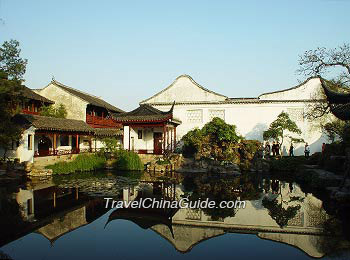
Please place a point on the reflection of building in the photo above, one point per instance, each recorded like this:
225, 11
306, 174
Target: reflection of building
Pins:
52, 212
189, 227
58, 211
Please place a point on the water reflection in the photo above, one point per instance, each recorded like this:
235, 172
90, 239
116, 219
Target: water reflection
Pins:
275, 210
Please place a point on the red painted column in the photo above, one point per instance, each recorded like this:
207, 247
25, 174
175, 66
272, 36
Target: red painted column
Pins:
129, 138
54, 144
163, 139
77, 143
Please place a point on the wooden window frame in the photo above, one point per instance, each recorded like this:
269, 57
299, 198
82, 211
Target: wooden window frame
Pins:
30, 142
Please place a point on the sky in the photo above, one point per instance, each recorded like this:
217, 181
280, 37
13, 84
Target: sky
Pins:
126, 51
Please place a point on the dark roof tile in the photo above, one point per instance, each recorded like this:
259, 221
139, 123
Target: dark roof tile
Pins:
53, 123
30, 94
93, 100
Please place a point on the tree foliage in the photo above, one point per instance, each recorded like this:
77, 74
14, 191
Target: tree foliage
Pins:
338, 130
192, 141
318, 62
110, 145
330, 64
53, 111
10, 61
212, 139
280, 214
12, 68
281, 128
218, 130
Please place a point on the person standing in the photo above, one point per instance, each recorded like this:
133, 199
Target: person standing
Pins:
323, 148
291, 150
307, 150
277, 148
267, 149
274, 149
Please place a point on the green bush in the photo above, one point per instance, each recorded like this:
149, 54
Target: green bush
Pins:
215, 140
128, 161
192, 141
83, 162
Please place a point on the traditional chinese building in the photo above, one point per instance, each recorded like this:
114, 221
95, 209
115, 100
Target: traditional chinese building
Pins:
89, 121
48, 136
82, 106
196, 105
33, 102
148, 130
338, 101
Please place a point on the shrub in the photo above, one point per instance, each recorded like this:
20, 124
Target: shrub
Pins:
192, 142
110, 145
83, 162
128, 160
212, 141
220, 132
54, 111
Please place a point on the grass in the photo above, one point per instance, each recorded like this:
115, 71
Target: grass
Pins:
83, 162
128, 161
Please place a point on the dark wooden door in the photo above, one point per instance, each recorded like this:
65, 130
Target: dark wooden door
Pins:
157, 143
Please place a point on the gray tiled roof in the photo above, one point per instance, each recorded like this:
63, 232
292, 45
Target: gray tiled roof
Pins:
108, 132
93, 100
30, 94
63, 124
144, 113
52, 123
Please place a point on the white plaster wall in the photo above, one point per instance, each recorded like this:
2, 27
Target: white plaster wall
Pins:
311, 89
126, 137
23, 153
76, 107
252, 120
97, 143
22, 198
146, 143
185, 89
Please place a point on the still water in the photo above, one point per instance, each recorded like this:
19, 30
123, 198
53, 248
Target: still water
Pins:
65, 218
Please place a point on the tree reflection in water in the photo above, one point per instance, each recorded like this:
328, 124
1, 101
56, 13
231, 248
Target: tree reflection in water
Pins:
276, 210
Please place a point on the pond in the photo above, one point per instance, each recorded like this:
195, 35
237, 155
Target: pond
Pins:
65, 217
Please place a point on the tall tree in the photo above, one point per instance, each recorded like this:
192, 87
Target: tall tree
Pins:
330, 64
12, 69
10, 61
283, 127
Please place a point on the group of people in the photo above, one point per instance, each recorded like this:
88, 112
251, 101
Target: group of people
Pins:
275, 149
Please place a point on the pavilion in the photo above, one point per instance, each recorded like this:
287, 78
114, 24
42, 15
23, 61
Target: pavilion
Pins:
148, 130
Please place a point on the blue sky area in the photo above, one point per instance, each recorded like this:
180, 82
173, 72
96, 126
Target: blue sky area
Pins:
126, 51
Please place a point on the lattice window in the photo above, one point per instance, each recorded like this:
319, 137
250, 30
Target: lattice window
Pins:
296, 114
193, 214
297, 221
316, 216
219, 219
195, 116
220, 113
